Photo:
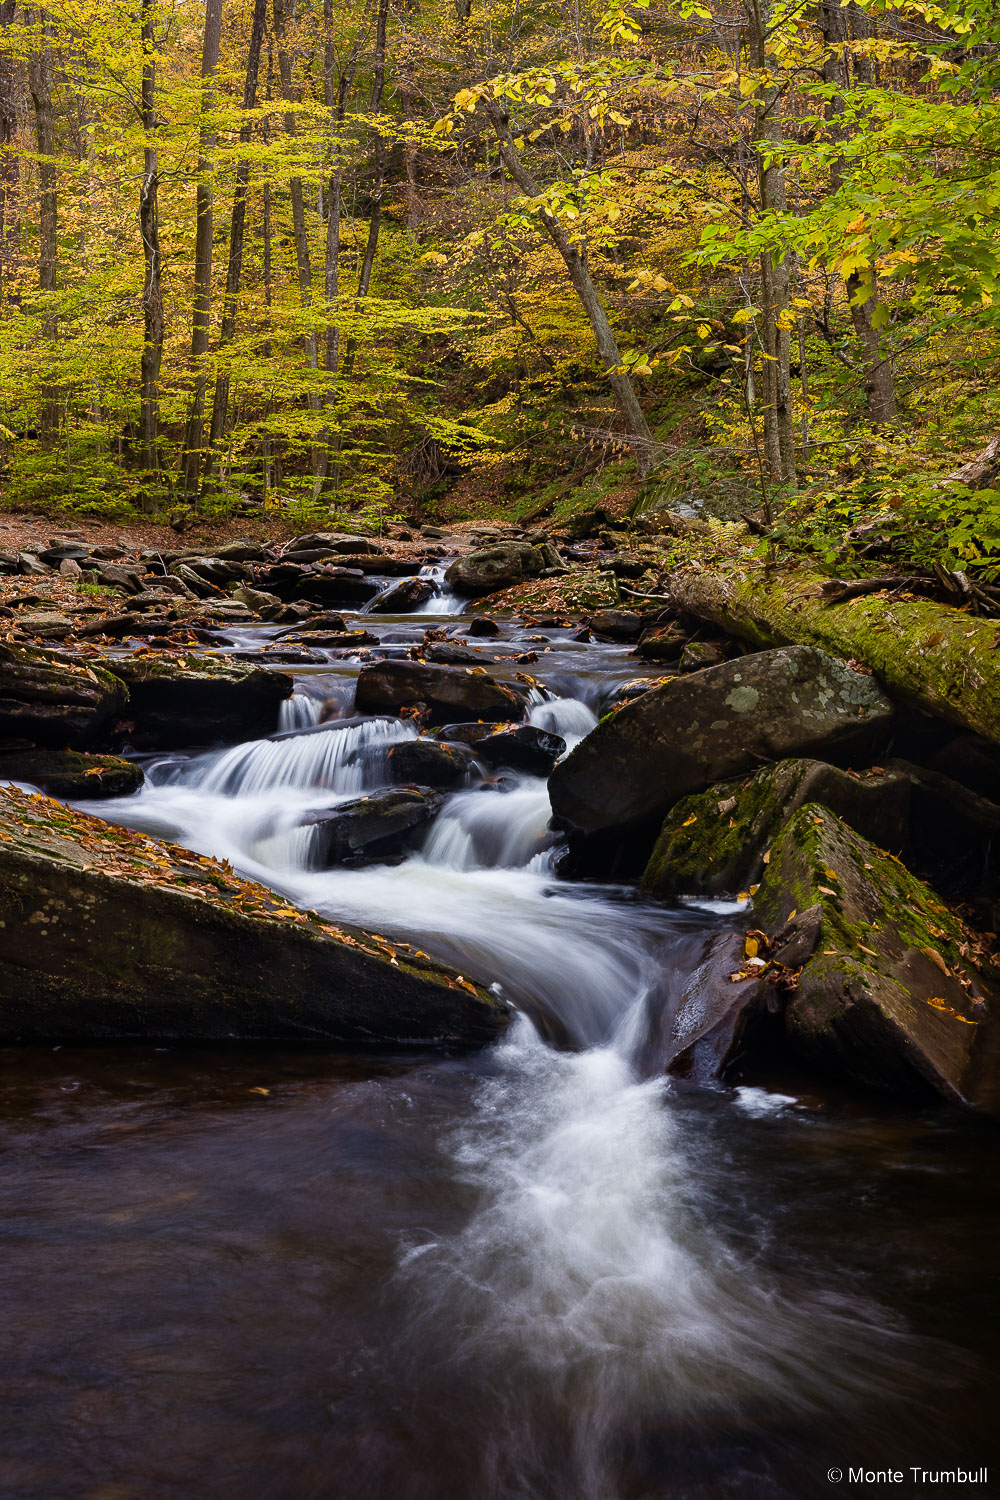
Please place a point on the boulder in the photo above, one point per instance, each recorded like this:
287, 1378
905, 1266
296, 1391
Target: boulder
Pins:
70, 776
500, 566
403, 597
335, 541
371, 830
616, 624
51, 701
256, 599
712, 843
523, 749
889, 996
451, 654
662, 645
696, 730
111, 936
429, 763
45, 624
388, 686
697, 655
482, 625
175, 703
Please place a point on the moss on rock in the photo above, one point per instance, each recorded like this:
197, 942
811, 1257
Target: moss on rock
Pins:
891, 996
713, 843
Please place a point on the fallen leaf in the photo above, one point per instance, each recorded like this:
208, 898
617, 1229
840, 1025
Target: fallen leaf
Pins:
936, 958
827, 891
688, 821
766, 857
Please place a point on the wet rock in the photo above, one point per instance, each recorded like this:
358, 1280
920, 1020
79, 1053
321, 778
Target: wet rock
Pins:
662, 645
697, 655
430, 763
523, 749
465, 734
696, 730
712, 843
71, 776
482, 625
109, 936
500, 566
716, 1014
336, 588
53, 702
173, 704
616, 624
403, 597
373, 829
451, 654
324, 622
388, 686
889, 997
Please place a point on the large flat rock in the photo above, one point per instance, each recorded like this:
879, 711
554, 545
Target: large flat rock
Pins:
54, 702
696, 730
106, 935
175, 702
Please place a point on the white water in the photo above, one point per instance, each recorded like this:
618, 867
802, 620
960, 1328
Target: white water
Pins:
584, 1265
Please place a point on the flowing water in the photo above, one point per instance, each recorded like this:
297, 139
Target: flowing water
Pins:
540, 1273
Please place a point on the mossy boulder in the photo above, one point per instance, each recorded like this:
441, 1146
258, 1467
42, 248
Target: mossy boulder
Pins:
500, 566
370, 830
692, 731
52, 701
109, 935
712, 843
70, 776
173, 703
889, 996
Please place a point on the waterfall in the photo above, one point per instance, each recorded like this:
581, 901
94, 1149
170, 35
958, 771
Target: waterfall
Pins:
493, 830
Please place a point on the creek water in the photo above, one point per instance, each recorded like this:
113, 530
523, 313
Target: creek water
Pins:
538, 1273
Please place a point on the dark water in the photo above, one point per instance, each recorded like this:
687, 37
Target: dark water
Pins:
201, 1290
537, 1274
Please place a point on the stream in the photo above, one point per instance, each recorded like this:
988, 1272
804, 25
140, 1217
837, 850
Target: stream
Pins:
543, 1272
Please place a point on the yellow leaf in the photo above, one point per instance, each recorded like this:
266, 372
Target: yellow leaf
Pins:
259, 1090
826, 890
688, 821
751, 947
766, 858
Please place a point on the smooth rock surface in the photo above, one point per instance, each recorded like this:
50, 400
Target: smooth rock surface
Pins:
111, 936
51, 701
696, 730
388, 686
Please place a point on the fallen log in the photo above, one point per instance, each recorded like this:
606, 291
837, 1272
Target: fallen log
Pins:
929, 656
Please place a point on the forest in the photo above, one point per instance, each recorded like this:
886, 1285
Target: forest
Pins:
499, 749
307, 258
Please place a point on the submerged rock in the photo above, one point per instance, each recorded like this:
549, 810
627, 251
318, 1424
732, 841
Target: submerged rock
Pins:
372, 829
111, 936
696, 730
69, 775
889, 995
50, 701
174, 703
712, 843
388, 686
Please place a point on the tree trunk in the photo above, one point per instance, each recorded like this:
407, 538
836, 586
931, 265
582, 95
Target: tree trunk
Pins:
779, 420
638, 435
378, 191
237, 231
981, 472
956, 678
152, 299
10, 176
836, 22
203, 246
299, 234
40, 78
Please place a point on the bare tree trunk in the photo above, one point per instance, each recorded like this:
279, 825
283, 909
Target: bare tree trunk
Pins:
779, 422
152, 298
981, 472
203, 247
836, 22
237, 232
638, 435
10, 176
40, 79
375, 216
299, 234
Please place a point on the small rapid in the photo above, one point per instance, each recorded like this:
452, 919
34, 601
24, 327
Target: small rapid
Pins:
585, 1292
